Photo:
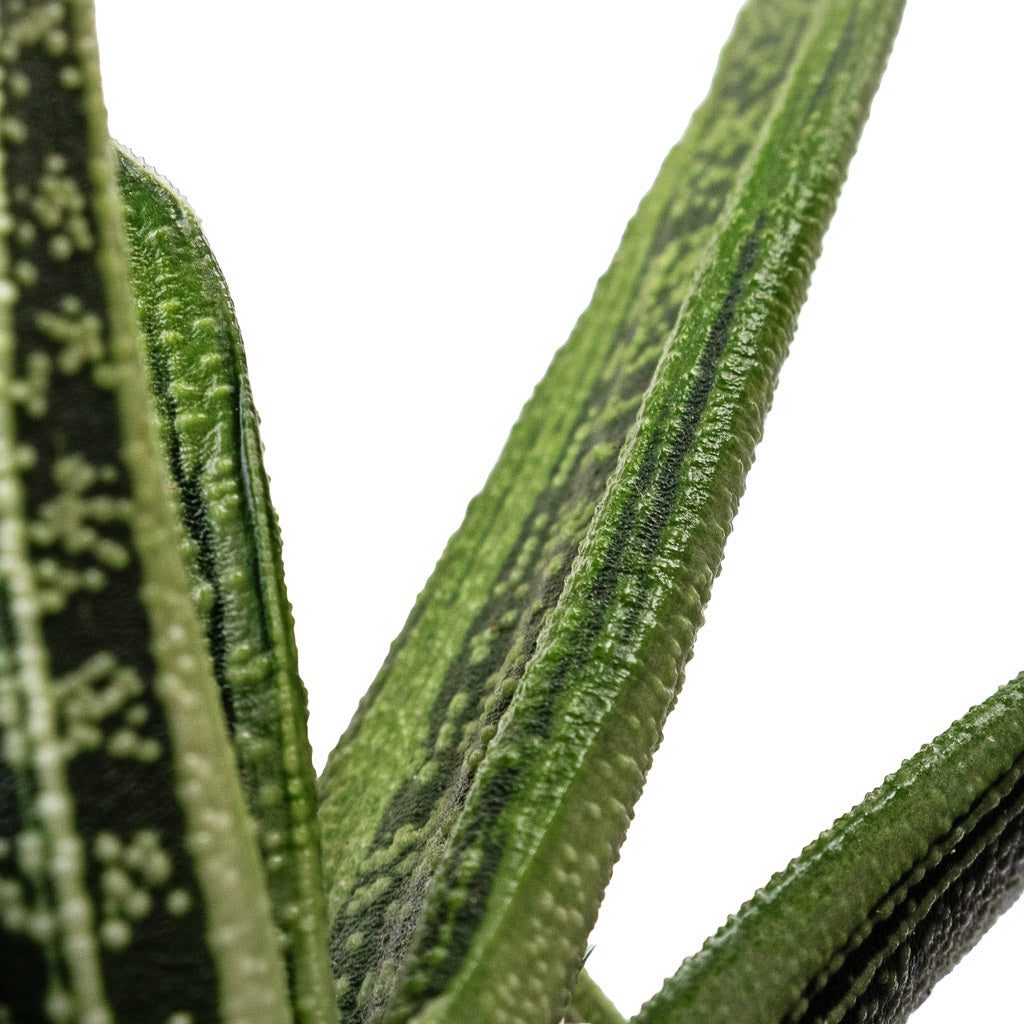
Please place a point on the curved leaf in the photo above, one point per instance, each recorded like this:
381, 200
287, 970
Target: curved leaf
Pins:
211, 435
881, 906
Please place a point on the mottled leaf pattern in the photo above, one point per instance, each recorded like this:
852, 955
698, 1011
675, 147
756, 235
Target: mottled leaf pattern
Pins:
211, 435
159, 856
512, 725
131, 887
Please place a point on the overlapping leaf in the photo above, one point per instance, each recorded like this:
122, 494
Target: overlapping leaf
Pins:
131, 884
474, 808
210, 434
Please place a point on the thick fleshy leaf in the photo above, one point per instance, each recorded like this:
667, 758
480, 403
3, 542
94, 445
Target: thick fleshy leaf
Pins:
473, 810
589, 1005
873, 913
130, 883
211, 435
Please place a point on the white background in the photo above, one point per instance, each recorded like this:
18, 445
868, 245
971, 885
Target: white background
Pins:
412, 202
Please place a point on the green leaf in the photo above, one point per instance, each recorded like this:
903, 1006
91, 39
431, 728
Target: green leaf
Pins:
589, 1005
210, 431
873, 913
473, 810
131, 884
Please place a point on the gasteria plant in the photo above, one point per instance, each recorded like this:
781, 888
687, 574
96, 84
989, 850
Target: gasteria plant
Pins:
159, 858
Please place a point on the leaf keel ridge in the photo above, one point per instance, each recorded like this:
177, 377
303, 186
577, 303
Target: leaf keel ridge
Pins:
530, 685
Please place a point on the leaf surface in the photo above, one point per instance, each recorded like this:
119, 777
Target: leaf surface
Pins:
210, 432
130, 883
873, 913
473, 810
589, 1005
